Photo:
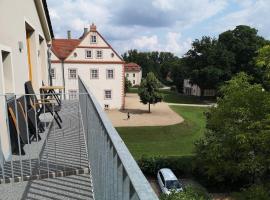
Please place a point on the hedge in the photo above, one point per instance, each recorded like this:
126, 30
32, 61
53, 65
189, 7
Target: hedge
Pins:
181, 166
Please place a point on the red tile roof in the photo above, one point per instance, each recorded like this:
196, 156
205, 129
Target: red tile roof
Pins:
63, 47
132, 67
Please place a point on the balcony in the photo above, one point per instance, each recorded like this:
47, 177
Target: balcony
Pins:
85, 159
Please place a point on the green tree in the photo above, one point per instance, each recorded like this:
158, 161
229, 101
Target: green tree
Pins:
127, 85
208, 63
263, 63
149, 91
243, 42
236, 147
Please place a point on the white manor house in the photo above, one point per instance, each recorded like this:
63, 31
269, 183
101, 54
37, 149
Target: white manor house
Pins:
93, 59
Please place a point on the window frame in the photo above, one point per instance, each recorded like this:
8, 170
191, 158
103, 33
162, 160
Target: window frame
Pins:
91, 41
86, 51
53, 69
97, 54
69, 77
107, 73
91, 77
105, 98
72, 93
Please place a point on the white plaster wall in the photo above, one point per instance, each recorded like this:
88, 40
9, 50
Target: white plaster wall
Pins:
137, 78
100, 42
14, 14
105, 52
58, 80
97, 86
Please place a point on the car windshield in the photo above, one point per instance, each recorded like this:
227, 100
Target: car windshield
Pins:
173, 184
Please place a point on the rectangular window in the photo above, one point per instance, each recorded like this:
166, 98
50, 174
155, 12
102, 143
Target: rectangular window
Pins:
53, 73
93, 39
133, 75
72, 94
72, 73
110, 74
133, 82
107, 94
106, 106
127, 75
94, 73
88, 54
99, 54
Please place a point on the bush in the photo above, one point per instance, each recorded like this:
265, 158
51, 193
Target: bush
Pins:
255, 192
173, 88
181, 166
189, 193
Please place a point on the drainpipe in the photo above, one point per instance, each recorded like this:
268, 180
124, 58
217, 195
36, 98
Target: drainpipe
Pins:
49, 64
63, 77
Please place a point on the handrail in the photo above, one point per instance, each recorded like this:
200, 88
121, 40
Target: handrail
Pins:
139, 187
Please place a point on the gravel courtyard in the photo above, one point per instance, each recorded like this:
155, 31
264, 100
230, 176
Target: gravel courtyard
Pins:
161, 114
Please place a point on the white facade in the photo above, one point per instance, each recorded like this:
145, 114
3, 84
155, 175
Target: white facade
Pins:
194, 90
24, 35
135, 77
98, 65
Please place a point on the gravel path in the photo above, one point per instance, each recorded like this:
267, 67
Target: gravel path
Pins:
161, 114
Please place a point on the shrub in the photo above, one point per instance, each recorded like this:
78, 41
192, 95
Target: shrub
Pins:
173, 88
181, 166
189, 193
255, 192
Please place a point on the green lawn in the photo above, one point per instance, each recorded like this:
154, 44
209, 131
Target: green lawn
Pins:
174, 97
174, 140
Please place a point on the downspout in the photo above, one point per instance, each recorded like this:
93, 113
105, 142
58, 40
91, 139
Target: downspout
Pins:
63, 77
49, 64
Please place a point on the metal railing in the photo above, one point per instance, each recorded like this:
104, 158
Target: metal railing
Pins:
115, 173
33, 146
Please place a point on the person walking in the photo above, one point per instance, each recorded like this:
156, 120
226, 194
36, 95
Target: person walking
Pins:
128, 116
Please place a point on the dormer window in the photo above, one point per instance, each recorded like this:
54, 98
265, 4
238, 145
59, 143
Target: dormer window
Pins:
99, 54
93, 39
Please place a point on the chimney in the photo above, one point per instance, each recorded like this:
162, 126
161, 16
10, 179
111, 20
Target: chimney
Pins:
85, 30
69, 34
93, 27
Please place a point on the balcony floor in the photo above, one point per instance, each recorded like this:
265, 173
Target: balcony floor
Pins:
61, 154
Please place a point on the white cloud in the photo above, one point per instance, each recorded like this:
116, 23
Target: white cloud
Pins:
145, 42
157, 24
253, 13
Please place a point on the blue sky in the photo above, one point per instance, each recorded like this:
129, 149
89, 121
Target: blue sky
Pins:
157, 25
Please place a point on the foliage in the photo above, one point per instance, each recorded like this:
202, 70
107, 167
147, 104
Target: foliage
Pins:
127, 85
235, 149
173, 140
180, 165
149, 90
211, 62
189, 193
208, 63
263, 63
255, 192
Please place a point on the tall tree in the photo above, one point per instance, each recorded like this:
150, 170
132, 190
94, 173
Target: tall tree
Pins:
149, 91
243, 42
263, 63
208, 63
236, 144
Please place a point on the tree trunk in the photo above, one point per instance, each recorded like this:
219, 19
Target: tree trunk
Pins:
149, 108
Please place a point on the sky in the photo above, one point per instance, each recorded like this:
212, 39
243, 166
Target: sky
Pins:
157, 25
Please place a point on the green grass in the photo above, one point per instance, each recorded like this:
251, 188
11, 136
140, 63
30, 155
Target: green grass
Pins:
174, 140
174, 97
